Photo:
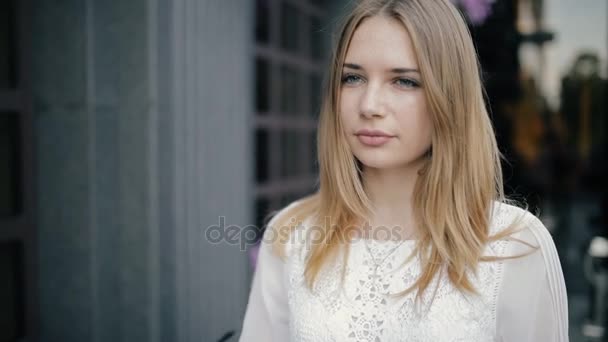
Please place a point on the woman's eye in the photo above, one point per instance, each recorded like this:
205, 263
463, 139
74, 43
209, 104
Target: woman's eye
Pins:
407, 83
351, 79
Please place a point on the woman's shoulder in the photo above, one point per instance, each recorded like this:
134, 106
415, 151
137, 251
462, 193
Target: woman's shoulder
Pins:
524, 234
518, 222
294, 213
289, 226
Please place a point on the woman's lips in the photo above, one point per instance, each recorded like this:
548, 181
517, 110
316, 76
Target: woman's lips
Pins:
371, 137
373, 140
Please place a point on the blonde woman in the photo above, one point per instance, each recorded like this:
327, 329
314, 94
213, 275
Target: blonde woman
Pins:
409, 237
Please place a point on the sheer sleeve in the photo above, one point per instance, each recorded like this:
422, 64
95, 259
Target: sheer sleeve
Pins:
532, 303
267, 313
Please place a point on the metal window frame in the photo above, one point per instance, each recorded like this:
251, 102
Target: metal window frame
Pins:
274, 122
21, 228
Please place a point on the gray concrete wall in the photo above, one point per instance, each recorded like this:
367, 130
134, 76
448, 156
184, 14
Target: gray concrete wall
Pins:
141, 112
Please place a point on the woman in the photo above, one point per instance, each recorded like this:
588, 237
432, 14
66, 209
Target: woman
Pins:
409, 237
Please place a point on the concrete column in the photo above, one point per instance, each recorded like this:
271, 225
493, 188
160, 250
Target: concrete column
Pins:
143, 134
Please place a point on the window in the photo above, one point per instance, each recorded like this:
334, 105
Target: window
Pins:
17, 239
288, 73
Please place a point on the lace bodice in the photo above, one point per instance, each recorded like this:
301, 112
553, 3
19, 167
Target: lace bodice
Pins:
363, 309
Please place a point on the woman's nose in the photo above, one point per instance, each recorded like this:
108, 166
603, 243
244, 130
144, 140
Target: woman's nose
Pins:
371, 103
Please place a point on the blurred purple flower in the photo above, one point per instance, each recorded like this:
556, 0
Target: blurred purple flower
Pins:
476, 10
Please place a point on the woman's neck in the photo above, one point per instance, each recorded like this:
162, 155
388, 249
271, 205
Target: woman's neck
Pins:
391, 194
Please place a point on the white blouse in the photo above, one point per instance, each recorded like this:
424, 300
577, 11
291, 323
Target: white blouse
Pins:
520, 300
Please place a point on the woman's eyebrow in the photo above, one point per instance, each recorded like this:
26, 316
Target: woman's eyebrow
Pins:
352, 66
404, 70
394, 70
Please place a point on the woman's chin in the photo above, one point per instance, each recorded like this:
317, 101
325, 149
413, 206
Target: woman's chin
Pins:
378, 163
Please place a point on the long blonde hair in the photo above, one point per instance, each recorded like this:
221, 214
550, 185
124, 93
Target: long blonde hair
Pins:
461, 179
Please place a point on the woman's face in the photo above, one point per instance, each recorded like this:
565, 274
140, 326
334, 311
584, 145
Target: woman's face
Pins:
382, 103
